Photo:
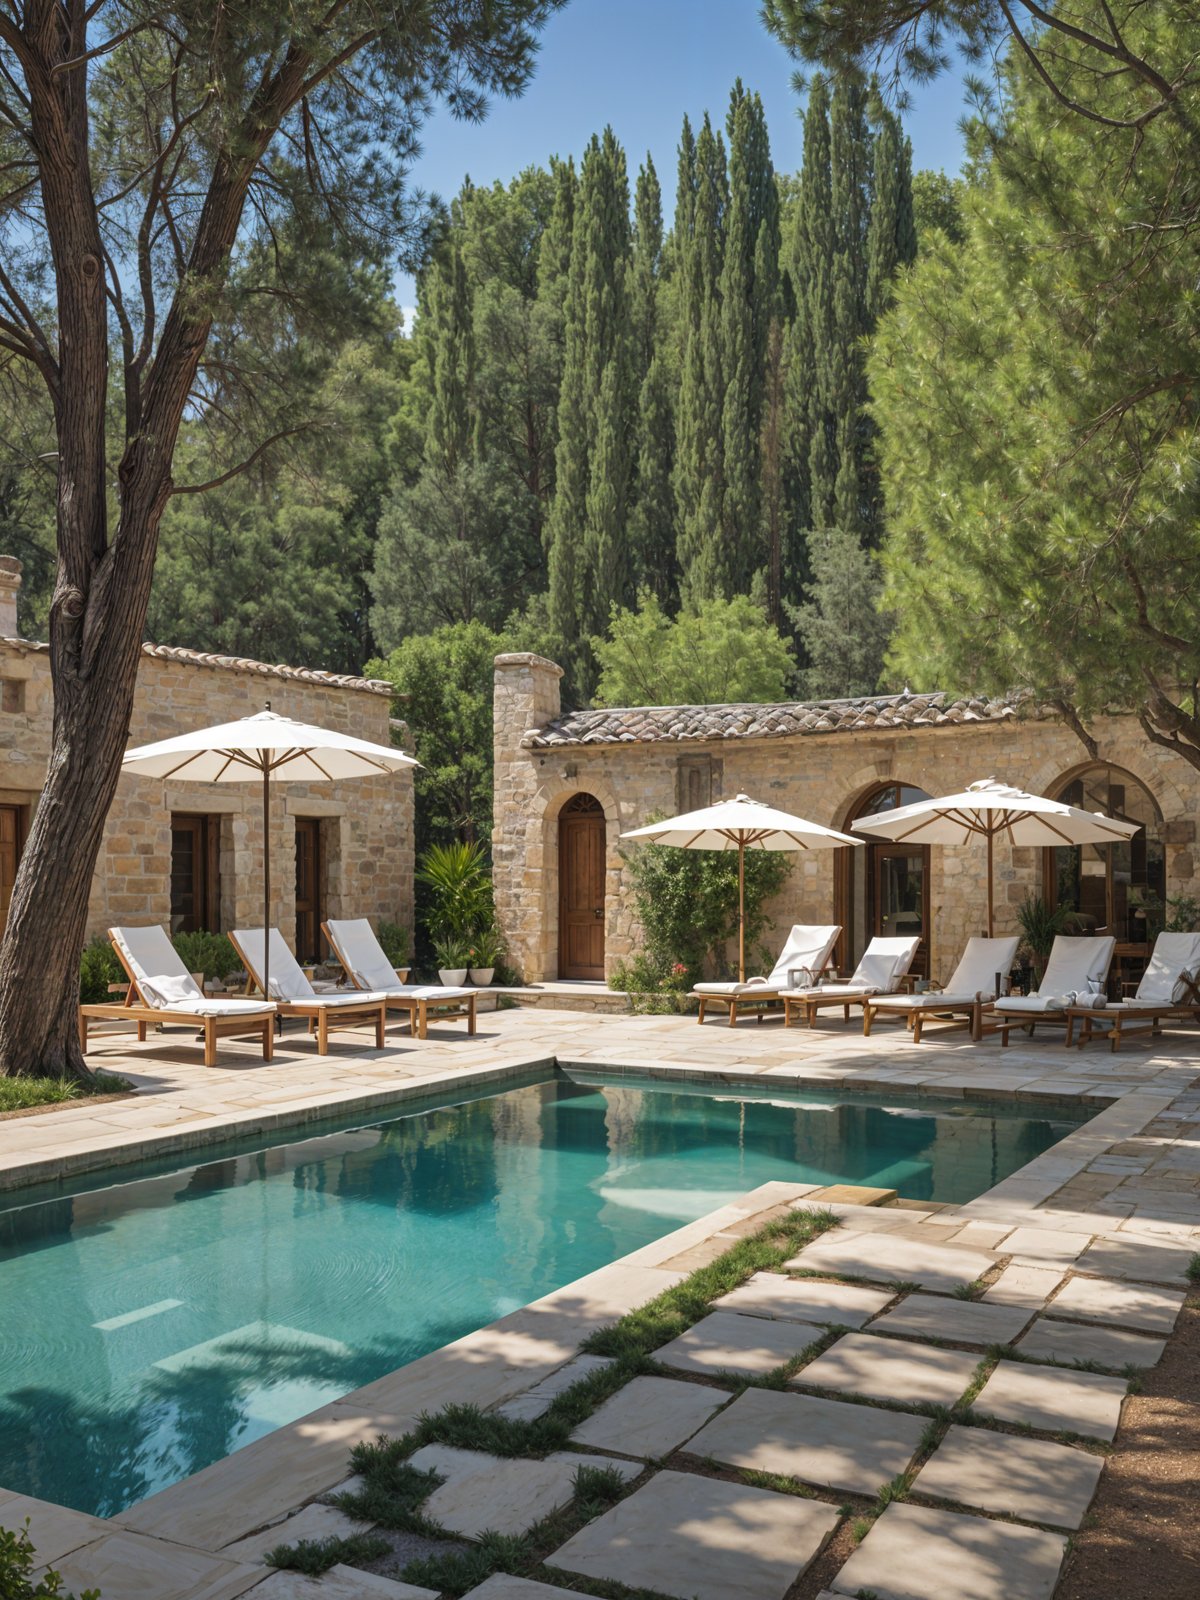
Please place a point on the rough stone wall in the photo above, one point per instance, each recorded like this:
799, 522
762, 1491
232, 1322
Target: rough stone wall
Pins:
821, 776
367, 823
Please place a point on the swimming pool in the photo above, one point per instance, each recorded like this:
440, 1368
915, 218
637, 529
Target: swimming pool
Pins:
152, 1325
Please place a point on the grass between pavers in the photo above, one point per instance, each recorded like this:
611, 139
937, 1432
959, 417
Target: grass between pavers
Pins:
393, 1490
22, 1094
315, 1556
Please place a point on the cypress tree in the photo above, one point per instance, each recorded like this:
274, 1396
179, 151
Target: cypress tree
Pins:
699, 466
452, 359
587, 525
749, 304
846, 393
652, 518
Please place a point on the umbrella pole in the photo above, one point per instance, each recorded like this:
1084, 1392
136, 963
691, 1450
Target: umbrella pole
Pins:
989, 872
266, 882
741, 911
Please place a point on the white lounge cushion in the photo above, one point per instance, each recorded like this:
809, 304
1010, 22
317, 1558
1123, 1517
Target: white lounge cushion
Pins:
288, 982
361, 953
974, 976
1077, 965
804, 947
885, 962
170, 989
1162, 982
212, 1006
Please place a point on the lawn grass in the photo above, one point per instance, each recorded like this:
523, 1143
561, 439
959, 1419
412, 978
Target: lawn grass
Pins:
22, 1093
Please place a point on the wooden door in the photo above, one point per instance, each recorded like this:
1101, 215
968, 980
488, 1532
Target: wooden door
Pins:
900, 896
581, 889
10, 854
195, 874
309, 912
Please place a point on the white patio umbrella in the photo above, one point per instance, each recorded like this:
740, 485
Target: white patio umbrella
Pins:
740, 824
263, 746
988, 808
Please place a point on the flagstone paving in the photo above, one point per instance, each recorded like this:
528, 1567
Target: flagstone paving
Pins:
958, 1321
1033, 1479
884, 1259
488, 1493
1095, 1236
650, 1417
503, 1586
314, 1522
535, 1402
725, 1342
1128, 1305
701, 1539
887, 1369
1054, 1399
1109, 1347
917, 1553
340, 1583
769, 1294
824, 1442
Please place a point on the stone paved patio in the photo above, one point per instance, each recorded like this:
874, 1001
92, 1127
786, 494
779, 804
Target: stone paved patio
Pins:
1094, 1238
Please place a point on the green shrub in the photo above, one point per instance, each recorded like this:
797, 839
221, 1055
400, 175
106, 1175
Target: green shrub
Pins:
460, 889
17, 1562
19, 1093
98, 967
687, 903
210, 953
394, 942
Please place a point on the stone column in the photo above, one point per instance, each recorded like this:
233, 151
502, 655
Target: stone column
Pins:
526, 696
10, 588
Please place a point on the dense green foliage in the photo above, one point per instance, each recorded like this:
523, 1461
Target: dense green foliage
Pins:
687, 905
1037, 386
725, 650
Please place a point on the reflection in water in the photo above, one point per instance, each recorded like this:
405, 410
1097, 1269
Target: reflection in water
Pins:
149, 1328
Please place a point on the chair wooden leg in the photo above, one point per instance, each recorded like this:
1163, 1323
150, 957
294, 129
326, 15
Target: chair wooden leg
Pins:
471, 1017
210, 1041
268, 1033
867, 1017
323, 1032
701, 1016
380, 1024
141, 1028
423, 1019
732, 1013
918, 1018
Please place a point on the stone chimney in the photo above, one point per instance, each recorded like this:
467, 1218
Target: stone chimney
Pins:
526, 695
10, 588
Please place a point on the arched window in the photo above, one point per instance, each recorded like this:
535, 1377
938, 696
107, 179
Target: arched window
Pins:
1118, 887
883, 887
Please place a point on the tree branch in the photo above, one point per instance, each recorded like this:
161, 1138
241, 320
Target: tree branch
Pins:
244, 466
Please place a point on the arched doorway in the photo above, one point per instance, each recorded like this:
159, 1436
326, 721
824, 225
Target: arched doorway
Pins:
581, 889
1120, 888
883, 887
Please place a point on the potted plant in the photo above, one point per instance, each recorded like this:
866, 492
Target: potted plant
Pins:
487, 950
453, 955
1040, 925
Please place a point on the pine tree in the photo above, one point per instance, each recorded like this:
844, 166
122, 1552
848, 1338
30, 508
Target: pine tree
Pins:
749, 304
699, 466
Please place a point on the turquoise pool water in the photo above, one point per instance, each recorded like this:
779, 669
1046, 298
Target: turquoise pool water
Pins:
151, 1326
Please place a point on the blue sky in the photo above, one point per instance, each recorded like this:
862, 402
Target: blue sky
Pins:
639, 65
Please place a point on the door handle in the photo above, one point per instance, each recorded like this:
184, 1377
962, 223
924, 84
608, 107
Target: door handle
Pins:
598, 911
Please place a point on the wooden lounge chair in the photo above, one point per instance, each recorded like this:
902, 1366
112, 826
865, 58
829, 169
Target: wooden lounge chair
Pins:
1077, 967
1169, 991
882, 970
161, 989
294, 996
808, 948
961, 1001
361, 955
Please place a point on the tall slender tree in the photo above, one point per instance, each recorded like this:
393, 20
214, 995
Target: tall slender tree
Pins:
699, 455
589, 561
652, 516
749, 305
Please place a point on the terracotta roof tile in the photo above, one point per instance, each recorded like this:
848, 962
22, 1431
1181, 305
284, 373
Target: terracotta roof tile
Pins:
203, 658
656, 724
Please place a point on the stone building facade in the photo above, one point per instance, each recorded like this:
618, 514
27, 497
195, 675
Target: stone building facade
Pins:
191, 854
831, 762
